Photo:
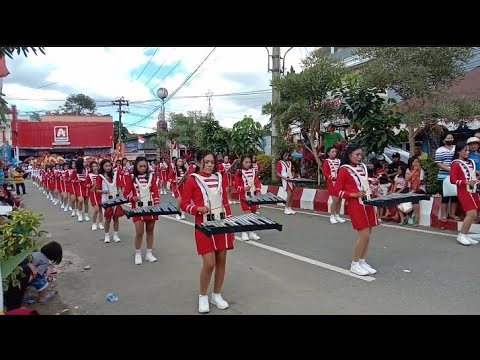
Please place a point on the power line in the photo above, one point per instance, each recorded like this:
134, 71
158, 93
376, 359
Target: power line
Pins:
151, 57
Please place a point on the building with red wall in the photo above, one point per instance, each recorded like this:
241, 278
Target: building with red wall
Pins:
67, 135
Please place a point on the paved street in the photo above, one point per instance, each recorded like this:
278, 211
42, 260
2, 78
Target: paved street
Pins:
301, 270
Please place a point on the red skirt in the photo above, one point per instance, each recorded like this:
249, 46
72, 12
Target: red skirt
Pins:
178, 191
63, 186
58, 184
95, 198
114, 211
330, 187
51, 185
80, 190
70, 188
468, 200
362, 217
163, 176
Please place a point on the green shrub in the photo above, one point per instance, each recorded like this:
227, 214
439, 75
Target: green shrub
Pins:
431, 172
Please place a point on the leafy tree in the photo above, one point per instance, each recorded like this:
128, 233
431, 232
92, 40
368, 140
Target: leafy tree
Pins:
418, 75
214, 137
186, 129
369, 114
246, 136
125, 134
79, 104
306, 97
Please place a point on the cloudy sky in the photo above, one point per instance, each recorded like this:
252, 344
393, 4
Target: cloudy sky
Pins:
237, 77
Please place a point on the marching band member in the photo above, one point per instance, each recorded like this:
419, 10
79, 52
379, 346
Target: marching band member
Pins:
224, 169
57, 189
352, 185
205, 197
330, 171
142, 190
247, 183
170, 169
177, 179
64, 197
71, 190
51, 182
162, 170
107, 186
78, 177
463, 174
284, 171
95, 197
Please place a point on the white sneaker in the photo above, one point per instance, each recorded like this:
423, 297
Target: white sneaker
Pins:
245, 236
62, 206
472, 241
339, 219
173, 195
73, 213
150, 258
107, 238
367, 267
87, 218
65, 209
100, 226
70, 208
358, 269
288, 211
80, 218
333, 220
94, 227
463, 239
293, 212
203, 306
253, 236
182, 216
178, 217
138, 259
219, 302
116, 238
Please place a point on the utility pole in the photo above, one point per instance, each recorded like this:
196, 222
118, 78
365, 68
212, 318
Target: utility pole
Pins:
120, 102
276, 73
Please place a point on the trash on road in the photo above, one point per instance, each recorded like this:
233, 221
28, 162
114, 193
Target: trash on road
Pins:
111, 297
88, 267
76, 307
49, 235
407, 271
65, 310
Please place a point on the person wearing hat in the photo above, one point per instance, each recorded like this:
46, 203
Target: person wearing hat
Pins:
394, 167
473, 145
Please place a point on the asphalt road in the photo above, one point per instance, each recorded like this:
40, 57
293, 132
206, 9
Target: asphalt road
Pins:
301, 270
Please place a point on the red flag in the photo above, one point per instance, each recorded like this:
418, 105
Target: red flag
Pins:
3, 68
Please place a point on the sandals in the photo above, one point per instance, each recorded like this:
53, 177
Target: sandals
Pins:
48, 296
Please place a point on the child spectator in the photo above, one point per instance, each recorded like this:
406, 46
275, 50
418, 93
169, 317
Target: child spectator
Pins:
51, 252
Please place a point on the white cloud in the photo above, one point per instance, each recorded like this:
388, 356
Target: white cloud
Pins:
107, 73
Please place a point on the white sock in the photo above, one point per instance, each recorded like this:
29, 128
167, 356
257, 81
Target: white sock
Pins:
115, 233
149, 251
354, 263
138, 251
362, 261
216, 295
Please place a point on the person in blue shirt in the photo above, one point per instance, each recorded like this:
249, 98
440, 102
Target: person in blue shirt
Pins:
474, 144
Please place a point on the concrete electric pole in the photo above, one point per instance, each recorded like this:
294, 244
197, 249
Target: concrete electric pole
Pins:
120, 102
276, 72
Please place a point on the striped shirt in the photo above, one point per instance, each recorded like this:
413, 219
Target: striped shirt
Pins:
212, 183
142, 179
445, 157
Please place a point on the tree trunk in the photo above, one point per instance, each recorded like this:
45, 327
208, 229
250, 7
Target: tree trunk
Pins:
411, 139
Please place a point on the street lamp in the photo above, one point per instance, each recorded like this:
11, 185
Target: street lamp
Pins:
162, 94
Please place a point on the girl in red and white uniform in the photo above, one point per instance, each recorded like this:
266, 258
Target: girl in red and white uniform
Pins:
224, 169
51, 183
142, 190
352, 185
175, 177
206, 193
330, 171
107, 186
78, 178
247, 183
162, 176
63, 187
70, 189
94, 197
57, 190
285, 172
463, 174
